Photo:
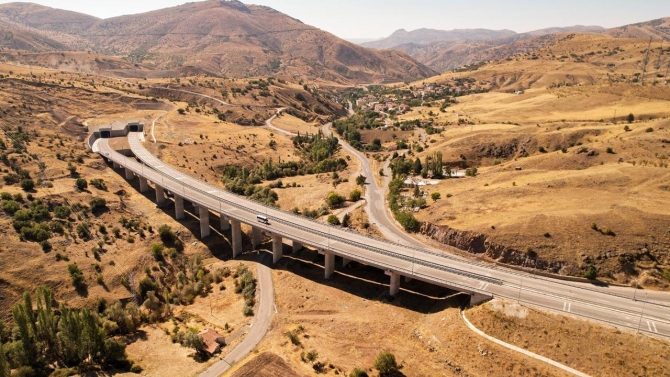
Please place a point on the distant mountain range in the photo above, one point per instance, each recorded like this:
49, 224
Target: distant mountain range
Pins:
219, 37
446, 50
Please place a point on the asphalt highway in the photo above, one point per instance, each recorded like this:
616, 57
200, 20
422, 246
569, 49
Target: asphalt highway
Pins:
414, 261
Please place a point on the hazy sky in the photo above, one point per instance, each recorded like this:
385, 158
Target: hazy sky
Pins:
379, 18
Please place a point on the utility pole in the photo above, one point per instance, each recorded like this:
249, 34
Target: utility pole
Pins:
646, 61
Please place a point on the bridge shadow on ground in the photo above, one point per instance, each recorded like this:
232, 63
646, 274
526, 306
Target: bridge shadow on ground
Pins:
363, 281
366, 282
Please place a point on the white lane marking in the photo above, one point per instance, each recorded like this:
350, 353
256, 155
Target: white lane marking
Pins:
567, 306
485, 286
652, 327
211, 192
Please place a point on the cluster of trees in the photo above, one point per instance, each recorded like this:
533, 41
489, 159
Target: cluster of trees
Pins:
319, 152
398, 207
349, 128
245, 284
33, 220
48, 336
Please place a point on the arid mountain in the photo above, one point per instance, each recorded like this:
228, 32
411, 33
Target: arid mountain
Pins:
220, 37
655, 29
26, 40
447, 50
427, 36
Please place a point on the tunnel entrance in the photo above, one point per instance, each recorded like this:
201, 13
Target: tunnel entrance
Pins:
134, 128
106, 134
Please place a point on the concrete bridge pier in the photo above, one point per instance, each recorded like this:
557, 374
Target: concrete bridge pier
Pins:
116, 165
297, 246
277, 248
178, 207
144, 185
204, 221
160, 195
129, 174
328, 264
256, 236
345, 262
236, 231
394, 286
196, 209
225, 223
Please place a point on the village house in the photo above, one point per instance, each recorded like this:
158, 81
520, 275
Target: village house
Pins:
213, 341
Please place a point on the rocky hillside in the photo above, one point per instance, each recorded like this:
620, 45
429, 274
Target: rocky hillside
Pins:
655, 29
222, 38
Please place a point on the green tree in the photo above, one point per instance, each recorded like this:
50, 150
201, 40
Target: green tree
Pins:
386, 364
76, 275
62, 212
72, 169
81, 184
25, 323
346, 220
355, 195
193, 340
591, 272
407, 220
333, 220
418, 167
5, 371
97, 203
27, 184
360, 180
630, 118
335, 200
435, 196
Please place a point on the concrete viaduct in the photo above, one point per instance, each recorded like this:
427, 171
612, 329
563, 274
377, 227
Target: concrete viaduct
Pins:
480, 280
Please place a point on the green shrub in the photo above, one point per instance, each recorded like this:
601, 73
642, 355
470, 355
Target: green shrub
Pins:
335, 200
157, 251
62, 212
81, 184
97, 203
10, 206
27, 184
355, 195
591, 272
435, 196
649, 130
407, 220
333, 220
386, 364
98, 183
166, 234
358, 373
76, 275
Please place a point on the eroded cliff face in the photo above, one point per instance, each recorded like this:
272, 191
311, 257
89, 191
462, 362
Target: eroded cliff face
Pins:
478, 243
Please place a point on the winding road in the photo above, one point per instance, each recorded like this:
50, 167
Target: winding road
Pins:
259, 326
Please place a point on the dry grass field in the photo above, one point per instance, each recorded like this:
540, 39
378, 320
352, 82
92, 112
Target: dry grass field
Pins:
349, 319
595, 350
556, 160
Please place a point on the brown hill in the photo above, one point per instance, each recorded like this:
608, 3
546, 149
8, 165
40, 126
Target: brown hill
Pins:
27, 40
223, 38
655, 29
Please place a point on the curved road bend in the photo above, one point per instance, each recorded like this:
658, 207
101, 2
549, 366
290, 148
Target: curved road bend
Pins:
381, 216
418, 263
259, 326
